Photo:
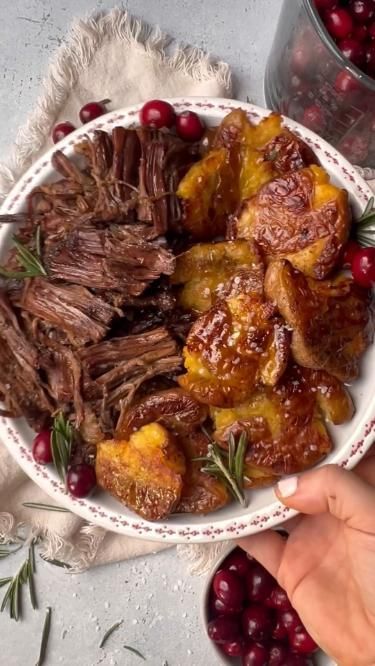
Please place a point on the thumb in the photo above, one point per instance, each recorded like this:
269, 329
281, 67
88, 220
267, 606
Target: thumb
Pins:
331, 489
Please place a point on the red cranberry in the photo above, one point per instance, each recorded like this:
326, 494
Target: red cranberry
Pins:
223, 630
189, 126
237, 562
296, 660
219, 608
61, 130
371, 30
301, 642
339, 23
157, 114
81, 480
363, 267
255, 655
228, 588
353, 50
301, 58
370, 59
313, 118
256, 622
360, 32
233, 649
324, 5
92, 110
278, 599
350, 249
345, 82
279, 631
361, 10
290, 620
259, 583
42, 452
278, 654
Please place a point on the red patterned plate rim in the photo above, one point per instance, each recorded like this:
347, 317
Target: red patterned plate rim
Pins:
182, 528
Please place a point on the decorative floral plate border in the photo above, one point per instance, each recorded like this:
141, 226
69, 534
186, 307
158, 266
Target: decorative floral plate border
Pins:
182, 528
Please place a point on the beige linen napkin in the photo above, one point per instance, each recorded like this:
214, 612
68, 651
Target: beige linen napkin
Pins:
107, 56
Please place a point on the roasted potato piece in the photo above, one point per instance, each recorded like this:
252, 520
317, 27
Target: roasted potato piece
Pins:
210, 271
284, 424
145, 472
239, 343
174, 408
301, 217
332, 320
208, 193
288, 152
201, 493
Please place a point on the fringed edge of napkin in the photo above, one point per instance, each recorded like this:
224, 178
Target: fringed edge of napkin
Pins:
71, 58
200, 557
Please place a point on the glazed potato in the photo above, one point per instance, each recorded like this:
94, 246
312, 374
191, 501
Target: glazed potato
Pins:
332, 320
285, 425
239, 343
210, 271
144, 472
174, 408
201, 493
301, 217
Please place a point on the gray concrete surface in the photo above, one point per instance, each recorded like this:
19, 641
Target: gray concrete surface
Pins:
158, 601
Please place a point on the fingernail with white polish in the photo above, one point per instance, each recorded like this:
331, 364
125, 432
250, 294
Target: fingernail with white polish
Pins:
287, 487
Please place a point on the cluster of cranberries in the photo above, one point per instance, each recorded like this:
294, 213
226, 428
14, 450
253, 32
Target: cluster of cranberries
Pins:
352, 26
251, 617
361, 261
157, 114
88, 112
80, 478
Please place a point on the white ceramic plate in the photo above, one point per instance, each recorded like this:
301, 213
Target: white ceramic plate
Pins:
350, 440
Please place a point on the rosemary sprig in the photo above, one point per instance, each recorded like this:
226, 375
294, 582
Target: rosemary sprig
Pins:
5, 552
135, 651
44, 507
228, 465
31, 263
364, 233
45, 636
109, 633
62, 437
12, 597
56, 563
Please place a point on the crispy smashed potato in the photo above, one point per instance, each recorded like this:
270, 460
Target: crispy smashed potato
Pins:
201, 493
239, 343
332, 320
284, 424
301, 217
145, 472
174, 408
209, 271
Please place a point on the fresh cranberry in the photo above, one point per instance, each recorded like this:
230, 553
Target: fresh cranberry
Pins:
360, 32
259, 583
355, 147
81, 480
278, 599
228, 588
237, 562
324, 5
361, 10
61, 130
371, 30
363, 267
345, 82
255, 655
219, 608
353, 50
234, 649
278, 654
279, 631
290, 620
92, 110
256, 622
157, 114
223, 630
370, 59
300, 58
189, 126
313, 118
350, 249
301, 642
339, 22
42, 451
293, 659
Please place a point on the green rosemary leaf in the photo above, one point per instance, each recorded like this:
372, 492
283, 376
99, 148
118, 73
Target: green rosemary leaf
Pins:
228, 467
109, 633
32, 555
4, 581
33, 599
13, 595
56, 563
369, 207
231, 453
240, 459
38, 243
44, 507
45, 636
32, 264
135, 651
5, 552
61, 444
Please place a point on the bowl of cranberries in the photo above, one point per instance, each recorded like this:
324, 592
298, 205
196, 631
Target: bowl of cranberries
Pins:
250, 620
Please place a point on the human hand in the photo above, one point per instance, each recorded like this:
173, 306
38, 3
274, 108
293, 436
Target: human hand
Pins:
327, 564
